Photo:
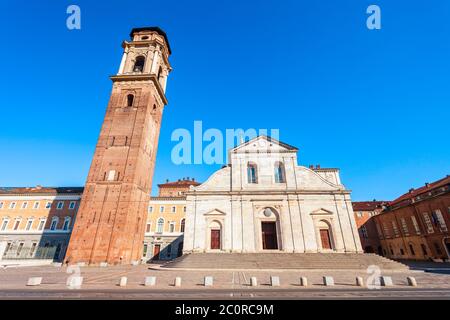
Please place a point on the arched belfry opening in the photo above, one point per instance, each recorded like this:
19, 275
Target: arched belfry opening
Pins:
139, 64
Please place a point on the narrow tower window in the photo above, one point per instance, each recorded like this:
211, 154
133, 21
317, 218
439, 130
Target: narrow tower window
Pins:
130, 99
139, 64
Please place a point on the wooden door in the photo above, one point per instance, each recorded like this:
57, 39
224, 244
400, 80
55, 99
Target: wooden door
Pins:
269, 235
215, 239
325, 238
156, 251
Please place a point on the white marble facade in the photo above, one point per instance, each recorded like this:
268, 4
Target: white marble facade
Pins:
263, 201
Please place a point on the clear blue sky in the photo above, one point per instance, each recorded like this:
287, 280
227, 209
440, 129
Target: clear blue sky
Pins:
373, 103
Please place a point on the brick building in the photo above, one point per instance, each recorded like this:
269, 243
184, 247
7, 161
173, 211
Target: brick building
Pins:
36, 223
415, 225
364, 212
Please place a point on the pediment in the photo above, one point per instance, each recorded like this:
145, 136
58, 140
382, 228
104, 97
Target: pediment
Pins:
321, 212
215, 212
263, 143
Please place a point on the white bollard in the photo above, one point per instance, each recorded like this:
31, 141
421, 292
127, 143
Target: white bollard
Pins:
123, 282
411, 281
274, 281
103, 264
304, 281
177, 282
386, 281
328, 281
150, 281
34, 281
135, 263
253, 281
360, 281
74, 282
208, 281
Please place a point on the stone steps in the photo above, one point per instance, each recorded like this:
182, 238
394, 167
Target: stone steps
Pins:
283, 261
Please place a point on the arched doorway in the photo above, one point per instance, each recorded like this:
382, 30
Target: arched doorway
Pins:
269, 229
215, 235
326, 238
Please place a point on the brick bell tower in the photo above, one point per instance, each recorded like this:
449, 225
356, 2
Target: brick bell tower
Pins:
110, 222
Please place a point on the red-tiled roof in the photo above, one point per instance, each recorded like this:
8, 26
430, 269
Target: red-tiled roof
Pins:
40, 190
179, 183
368, 205
426, 188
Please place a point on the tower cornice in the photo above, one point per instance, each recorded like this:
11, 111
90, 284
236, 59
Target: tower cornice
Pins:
142, 77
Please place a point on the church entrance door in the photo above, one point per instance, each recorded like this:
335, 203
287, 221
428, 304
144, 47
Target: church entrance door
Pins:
325, 237
215, 239
269, 235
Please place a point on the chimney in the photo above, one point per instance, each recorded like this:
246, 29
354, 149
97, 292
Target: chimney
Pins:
426, 184
167, 180
311, 166
411, 190
317, 166
193, 179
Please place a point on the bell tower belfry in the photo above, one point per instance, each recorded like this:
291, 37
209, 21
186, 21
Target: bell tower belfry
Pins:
109, 226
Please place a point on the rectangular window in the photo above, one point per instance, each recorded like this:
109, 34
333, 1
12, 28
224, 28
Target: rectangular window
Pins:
172, 227
72, 205
144, 253
148, 227
48, 205
1, 205
184, 209
8, 248
415, 224
161, 209
12, 205
41, 224
360, 214
404, 226
428, 223
33, 249
16, 225
150, 209
19, 249
5, 224
29, 224
174, 209
60, 205
440, 220
24, 205
364, 232
36, 205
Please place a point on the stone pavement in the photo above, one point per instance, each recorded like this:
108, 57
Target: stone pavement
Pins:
102, 283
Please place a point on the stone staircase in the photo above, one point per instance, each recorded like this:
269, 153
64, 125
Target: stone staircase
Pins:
337, 261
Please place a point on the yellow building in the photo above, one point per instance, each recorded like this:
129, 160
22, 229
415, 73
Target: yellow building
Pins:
36, 223
165, 221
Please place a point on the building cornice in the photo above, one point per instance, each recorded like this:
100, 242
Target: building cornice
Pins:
142, 77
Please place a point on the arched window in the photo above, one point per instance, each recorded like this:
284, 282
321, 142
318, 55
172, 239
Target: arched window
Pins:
280, 176
54, 223
66, 224
182, 225
139, 64
252, 173
130, 99
160, 226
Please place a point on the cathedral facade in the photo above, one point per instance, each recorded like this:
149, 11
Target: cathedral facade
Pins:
263, 201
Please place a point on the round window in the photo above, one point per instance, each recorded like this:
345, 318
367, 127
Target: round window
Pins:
267, 212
